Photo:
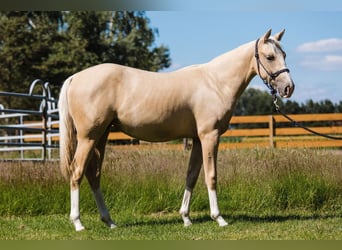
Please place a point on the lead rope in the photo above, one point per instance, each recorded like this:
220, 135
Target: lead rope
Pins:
297, 124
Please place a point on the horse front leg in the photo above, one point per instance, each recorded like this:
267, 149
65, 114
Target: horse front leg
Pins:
194, 168
210, 142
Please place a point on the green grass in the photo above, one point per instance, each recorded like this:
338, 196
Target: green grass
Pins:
263, 193
169, 227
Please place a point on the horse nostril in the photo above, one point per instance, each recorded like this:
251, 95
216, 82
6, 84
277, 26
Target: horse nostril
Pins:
288, 90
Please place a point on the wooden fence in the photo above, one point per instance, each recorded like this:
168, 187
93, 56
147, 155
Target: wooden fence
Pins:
276, 132
279, 133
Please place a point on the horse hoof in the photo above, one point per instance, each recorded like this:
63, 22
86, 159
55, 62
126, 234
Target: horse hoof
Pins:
187, 224
221, 221
187, 221
78, 225
79, 228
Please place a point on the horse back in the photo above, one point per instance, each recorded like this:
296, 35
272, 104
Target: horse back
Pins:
145, 105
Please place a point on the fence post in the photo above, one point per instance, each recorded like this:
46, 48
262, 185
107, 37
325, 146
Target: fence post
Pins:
43, 109
21, 134
271, 126
47, 120
44, 120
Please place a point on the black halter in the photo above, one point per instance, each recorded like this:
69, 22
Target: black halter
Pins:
272, 76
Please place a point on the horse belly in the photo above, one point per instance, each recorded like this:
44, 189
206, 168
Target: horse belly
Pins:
172, 128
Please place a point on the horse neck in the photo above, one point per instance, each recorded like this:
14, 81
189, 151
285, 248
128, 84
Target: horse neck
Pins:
234, 69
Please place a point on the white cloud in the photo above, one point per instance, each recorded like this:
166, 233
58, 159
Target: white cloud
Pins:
321, 55
324, 62
334, 59
324, 45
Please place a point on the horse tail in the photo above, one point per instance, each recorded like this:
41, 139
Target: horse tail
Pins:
67, 131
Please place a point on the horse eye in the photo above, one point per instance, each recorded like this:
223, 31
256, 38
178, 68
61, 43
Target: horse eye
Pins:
284, 55
270, 57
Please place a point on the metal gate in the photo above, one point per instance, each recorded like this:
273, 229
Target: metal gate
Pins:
20, 137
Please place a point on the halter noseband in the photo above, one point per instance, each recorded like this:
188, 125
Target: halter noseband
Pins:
271, 75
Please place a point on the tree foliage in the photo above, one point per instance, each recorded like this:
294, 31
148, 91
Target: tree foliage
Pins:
257, 102
53, 45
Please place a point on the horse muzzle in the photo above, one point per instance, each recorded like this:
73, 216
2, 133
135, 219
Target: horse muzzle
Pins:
287, 91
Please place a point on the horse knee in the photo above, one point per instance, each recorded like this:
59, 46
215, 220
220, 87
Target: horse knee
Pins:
210, 178
76, 177
211, 182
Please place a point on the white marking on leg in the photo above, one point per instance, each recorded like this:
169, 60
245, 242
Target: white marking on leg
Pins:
214, 210
185, 208
75, 209
105, 217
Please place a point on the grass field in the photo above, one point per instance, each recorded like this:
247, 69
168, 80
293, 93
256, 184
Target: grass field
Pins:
263, 194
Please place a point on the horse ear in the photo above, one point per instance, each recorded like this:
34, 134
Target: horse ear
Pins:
279, 35
267, 35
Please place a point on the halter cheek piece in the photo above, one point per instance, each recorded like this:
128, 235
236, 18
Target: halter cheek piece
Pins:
271, 75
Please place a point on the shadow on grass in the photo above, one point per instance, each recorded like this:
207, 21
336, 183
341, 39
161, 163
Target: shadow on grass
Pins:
278, 218
231, 219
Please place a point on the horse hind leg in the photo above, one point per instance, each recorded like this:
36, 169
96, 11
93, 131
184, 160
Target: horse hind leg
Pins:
80, 161
194, 168
93, 174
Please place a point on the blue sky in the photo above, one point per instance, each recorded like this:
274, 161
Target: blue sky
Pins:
313, 41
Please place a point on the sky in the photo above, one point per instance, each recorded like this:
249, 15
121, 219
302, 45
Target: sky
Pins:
196, 31
312, 41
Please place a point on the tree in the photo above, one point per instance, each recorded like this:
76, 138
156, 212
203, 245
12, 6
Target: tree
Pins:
120, 37
339, 107
54, 45
292, 107
255, 102
26, 41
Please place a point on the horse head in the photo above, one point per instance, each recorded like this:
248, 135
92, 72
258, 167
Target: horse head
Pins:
271, 66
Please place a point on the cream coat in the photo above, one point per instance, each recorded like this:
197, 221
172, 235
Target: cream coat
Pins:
194, 102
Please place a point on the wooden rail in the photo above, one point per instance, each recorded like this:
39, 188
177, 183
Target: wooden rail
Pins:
275, 133
278, 134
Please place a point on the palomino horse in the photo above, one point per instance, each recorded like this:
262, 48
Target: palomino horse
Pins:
194, 102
